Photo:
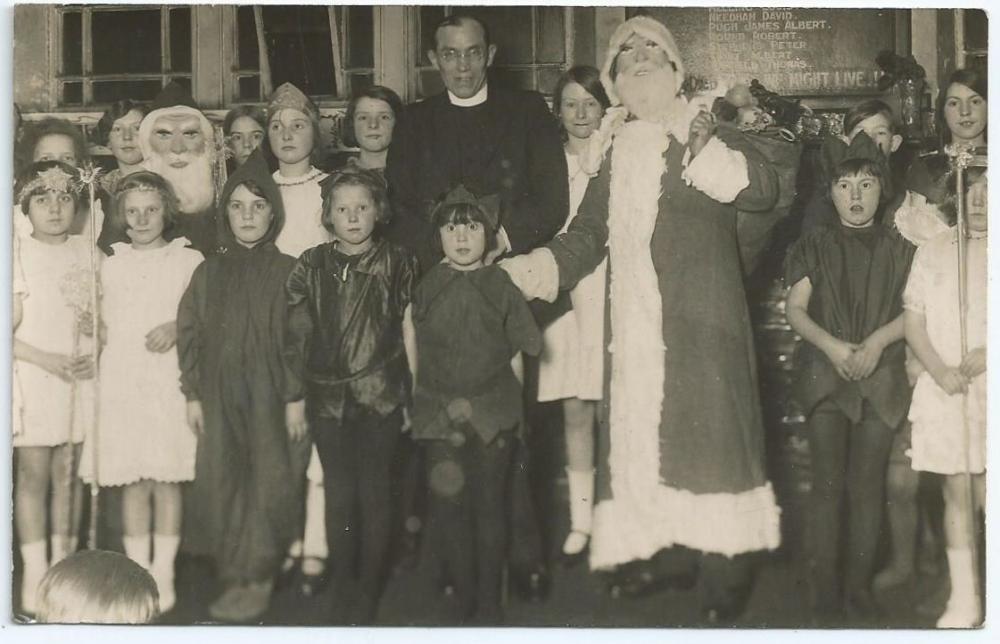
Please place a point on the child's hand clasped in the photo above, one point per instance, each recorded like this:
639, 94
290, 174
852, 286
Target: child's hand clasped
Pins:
862, 362
951, 380
840, 354
162, 338
974, 363
68, 368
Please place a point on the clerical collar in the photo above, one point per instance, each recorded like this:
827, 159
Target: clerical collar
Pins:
478, 99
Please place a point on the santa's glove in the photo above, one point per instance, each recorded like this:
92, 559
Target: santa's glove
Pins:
535, 274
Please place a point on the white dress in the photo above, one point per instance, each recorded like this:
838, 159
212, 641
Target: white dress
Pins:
572, 361
143, 433
937, 418
53, 278
303, 229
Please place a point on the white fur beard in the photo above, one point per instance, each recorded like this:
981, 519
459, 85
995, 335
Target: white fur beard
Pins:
192, 184
649, 97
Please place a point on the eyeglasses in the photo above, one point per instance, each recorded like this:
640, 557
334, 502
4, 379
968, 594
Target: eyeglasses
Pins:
473, 55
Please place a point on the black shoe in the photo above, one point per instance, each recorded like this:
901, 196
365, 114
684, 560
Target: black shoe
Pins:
638, 579
862, 608
532, 585
312, 584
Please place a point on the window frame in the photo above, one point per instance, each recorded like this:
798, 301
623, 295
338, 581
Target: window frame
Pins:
230, 60
58, 78
963, 53
417, 69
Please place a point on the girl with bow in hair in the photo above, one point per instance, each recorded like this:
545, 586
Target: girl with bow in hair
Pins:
847, 280
468, 321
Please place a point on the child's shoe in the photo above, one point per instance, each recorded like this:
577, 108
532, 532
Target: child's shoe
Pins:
162, 569
313, 577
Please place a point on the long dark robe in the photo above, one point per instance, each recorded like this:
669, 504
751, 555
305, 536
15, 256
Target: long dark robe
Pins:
245, 502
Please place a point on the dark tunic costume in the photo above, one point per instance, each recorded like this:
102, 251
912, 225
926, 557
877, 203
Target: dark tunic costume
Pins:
231, 324
857, 277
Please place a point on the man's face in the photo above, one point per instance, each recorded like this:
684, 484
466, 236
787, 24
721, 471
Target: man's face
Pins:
462, 57
178, 135
639, 56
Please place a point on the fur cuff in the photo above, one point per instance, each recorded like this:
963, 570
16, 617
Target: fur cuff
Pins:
718, 171
535, 274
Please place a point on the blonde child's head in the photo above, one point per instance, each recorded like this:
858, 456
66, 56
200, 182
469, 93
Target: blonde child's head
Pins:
355, 202
97, 587
142, 192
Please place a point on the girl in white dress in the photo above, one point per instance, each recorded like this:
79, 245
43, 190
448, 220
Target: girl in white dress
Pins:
951, 393
52, 360
143, 441
293, 136
571, 367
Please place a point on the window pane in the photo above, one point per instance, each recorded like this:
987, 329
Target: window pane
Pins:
180, 40
299, 50
246, 39
139, 90
360, 36
72, 44
551, 35
510, 29
126, 41
976, 29
429, 18
547, 79
359, 82
72, 94
519, 79
183, 81
249, 88
430, 83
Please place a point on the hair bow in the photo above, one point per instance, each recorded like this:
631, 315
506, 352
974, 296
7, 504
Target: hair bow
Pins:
489, 204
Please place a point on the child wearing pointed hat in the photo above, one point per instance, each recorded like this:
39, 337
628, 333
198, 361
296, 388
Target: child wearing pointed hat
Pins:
231, 342
468, 321
293, 138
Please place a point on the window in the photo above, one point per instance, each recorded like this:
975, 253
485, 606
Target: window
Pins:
107, 53
971, 32
532, 45
327, 52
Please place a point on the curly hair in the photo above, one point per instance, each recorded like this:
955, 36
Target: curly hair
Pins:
38, 130
118, 109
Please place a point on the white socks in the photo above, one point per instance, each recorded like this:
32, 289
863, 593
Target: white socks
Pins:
162, 568
581, 506
962, 610
61, 547
138, 549
35, 564
314, 542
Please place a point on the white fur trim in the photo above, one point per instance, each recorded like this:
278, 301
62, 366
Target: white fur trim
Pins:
718, 171
637, 363
535, 274
919, 221
626, 529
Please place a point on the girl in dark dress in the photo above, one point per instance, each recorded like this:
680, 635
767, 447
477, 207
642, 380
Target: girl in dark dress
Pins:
845, 301
231, 323
468, 321
346, 302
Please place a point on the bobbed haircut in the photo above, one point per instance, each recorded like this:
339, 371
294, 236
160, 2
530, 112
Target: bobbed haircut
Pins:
32, 172
376, 92
867, 109
117, 110
460, 213
38, 130
458, 20
587, 77
97, 587
853, 167
145, 181
252, 111
367, 179
317, 153
974, 79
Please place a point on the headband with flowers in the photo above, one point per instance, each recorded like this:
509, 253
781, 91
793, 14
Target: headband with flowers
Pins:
52, 180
